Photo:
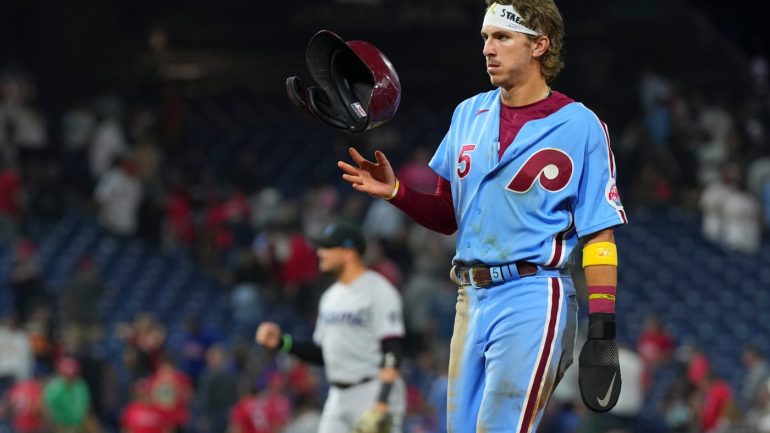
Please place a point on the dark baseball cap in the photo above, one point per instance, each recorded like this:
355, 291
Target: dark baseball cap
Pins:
342, 236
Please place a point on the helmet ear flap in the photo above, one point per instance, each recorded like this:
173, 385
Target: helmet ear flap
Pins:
320, 105
298, 95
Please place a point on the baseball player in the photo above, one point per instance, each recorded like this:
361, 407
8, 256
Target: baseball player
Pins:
525, 173
358, 339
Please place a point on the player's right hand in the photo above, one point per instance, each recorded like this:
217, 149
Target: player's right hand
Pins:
268, 335
376, 180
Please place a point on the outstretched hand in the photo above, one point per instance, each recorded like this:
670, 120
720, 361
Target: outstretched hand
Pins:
268, 335
376, 180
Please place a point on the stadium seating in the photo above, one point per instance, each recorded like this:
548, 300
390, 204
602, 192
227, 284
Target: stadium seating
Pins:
666, 268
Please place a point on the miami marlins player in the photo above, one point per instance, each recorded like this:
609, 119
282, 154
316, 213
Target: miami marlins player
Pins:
357, 338
525, 172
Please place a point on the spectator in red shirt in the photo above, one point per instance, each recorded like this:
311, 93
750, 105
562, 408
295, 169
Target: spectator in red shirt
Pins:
179, 216
141, 416
417, 174
717, 402
11, 204
655, 344
698, 367
171, 391
25, 401
266, 413
301, 264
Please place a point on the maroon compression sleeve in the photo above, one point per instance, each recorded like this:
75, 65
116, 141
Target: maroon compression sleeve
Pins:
433, 211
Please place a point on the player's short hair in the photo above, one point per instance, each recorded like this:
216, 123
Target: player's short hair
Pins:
544, 17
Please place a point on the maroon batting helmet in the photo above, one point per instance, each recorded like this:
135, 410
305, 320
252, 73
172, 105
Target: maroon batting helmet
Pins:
359, 87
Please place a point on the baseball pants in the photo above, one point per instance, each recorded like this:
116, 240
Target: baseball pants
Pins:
512, 343
345, 407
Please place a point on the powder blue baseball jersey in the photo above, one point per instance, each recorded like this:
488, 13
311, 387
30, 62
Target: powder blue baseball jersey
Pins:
554, 183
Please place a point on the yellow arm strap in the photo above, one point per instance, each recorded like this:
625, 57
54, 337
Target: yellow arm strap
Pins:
600, 253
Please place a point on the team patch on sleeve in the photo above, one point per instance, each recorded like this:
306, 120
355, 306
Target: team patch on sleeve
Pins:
612, 195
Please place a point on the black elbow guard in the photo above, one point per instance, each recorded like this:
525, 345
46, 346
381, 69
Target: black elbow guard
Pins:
392, 350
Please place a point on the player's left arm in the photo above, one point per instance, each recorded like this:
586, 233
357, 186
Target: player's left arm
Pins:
388, 326
601, 275
391, 349
599, 377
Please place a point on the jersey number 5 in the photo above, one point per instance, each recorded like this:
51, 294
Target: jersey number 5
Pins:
466, 159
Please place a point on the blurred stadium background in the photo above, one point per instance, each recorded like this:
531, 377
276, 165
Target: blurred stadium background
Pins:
158, 190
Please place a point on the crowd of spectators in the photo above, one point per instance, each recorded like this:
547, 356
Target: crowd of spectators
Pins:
120, 163
706, 150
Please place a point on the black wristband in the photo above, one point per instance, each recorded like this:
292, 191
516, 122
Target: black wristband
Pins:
385, 392
601, 326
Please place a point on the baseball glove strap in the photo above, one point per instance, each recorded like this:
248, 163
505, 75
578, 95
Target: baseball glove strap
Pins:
601, 325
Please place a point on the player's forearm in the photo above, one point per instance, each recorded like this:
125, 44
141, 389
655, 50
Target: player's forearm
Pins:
602, 279
306, 351
433, 211
601, 275
391, 349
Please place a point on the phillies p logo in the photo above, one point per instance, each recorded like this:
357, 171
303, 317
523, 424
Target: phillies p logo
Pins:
551, 167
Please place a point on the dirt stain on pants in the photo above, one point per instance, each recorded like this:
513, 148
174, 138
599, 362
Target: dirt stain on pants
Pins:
457, 346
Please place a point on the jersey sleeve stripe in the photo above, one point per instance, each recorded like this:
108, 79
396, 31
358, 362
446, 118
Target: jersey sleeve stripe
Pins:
610, 156
613, 172
550, 335
623, 216
611, 164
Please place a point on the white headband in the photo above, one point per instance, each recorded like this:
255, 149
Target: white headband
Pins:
506, 17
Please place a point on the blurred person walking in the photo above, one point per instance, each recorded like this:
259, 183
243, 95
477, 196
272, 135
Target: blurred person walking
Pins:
41, 329
11, 202
677, 405
266, 412
79, 303
717, 409
109, 139
16, 357
757, 375
78, 124
100, 377
67, 400
144, 338
358, 338
141, 415
732, 218
192, 350
119, 194
218, 390
25, 401
171, 392
655, 344
26, 280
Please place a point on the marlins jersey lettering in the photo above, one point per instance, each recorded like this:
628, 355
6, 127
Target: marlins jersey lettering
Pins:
352, 321
554, 183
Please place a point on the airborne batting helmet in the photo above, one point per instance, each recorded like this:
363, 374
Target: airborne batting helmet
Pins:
359, 87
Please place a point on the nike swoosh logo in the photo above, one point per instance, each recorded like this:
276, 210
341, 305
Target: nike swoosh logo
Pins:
481, 111
603, 402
